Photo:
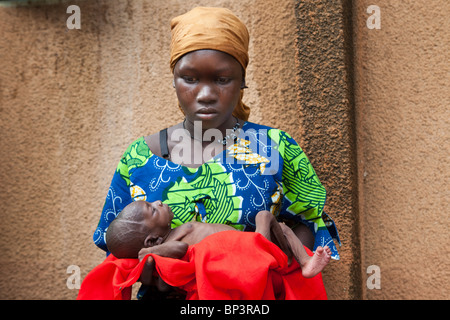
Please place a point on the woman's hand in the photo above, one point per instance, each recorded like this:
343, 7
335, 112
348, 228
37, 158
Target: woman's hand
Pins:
170, 249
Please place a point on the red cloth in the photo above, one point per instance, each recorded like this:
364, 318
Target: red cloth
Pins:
229, 265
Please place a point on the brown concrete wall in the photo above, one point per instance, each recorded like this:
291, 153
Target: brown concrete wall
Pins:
402, 103
326, 115
72, 100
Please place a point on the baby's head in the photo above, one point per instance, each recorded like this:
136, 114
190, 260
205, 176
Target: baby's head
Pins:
141, 224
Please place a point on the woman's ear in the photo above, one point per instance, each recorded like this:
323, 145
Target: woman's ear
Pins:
243, 85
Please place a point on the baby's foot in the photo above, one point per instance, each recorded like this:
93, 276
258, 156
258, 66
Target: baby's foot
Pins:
317, 262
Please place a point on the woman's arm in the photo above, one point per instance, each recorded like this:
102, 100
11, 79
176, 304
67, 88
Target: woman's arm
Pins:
117, 198
304, 194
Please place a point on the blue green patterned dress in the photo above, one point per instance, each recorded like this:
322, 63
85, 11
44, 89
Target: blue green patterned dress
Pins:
264, 170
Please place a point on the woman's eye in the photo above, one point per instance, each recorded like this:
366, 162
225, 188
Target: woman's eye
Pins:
223, 80
189, 79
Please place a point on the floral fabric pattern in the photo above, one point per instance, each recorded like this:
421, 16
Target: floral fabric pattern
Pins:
264, 170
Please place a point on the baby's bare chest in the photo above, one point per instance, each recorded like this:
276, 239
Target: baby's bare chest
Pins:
197, 231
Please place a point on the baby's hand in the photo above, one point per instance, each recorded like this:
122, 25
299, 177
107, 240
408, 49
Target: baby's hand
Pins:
170, 249
143, 252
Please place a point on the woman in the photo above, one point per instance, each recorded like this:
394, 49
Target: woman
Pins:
215, 166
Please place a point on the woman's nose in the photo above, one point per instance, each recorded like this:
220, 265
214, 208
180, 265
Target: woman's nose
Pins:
206, 94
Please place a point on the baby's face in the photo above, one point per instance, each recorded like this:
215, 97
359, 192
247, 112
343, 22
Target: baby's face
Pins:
157, 216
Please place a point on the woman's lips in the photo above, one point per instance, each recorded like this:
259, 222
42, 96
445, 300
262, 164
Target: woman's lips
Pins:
206, 113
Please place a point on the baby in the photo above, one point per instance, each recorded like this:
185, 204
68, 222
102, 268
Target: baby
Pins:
142, 225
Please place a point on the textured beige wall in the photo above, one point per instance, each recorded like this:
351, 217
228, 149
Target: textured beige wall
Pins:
72, 100
326, 119
402, 101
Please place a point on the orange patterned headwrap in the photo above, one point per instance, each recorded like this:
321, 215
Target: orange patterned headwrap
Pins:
214, 29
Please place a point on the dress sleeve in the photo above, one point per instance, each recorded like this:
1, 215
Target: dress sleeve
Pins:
304, 195
117, 198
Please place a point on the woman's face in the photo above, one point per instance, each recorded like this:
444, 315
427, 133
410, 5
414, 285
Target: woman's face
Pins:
208, 84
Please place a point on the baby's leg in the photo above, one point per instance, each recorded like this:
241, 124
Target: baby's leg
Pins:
267, 225
311, 266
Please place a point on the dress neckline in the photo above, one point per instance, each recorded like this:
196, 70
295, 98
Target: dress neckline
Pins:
209, 161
